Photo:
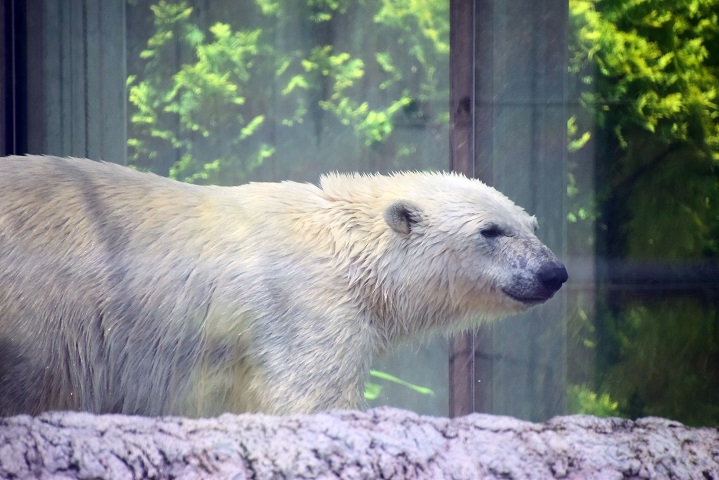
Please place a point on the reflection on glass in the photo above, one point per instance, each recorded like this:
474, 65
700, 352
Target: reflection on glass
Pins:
644, 195
228, 91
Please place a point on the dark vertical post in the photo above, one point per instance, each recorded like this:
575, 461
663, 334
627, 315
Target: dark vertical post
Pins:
5, 92
471, 130
461, 155
461, 93
13, 72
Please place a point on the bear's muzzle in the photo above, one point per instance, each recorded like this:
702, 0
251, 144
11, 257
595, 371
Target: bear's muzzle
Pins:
552, 276
539, 287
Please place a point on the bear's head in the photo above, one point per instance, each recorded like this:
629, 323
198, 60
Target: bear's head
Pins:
468, 249
435, 252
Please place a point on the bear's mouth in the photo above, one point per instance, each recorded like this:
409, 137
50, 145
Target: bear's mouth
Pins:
535, 298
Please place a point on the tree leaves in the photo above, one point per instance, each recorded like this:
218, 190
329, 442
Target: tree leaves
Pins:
652, 100
205, 96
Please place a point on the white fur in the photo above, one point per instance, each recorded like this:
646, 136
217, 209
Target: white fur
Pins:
126, 292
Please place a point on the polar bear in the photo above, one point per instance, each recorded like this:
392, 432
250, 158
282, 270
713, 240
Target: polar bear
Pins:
125, 292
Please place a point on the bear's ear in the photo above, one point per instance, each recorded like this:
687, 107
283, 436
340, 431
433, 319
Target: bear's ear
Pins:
402, 215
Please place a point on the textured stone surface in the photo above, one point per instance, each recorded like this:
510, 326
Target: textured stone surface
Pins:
381, 443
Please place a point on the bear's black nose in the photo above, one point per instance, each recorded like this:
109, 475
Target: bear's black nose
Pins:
552, 275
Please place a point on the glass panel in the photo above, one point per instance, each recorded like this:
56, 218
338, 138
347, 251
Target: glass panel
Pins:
226, 92
514, 94
600, 117
643, 214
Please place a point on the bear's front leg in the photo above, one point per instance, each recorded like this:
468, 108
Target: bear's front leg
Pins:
312, 366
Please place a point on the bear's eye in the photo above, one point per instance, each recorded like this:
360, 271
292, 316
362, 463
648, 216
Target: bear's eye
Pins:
491, 231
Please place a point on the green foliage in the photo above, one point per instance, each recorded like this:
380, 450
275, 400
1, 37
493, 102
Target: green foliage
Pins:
664, 360
654, 71
580, 211
199, 110
581, 400
323, 10
373, 126
647, 73
374, 390
423, 27
576, 141
213, 105
425, 24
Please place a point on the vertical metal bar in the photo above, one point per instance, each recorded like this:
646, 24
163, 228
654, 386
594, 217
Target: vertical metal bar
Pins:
462, 158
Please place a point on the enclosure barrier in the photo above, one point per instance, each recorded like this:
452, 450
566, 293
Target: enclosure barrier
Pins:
380, 443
